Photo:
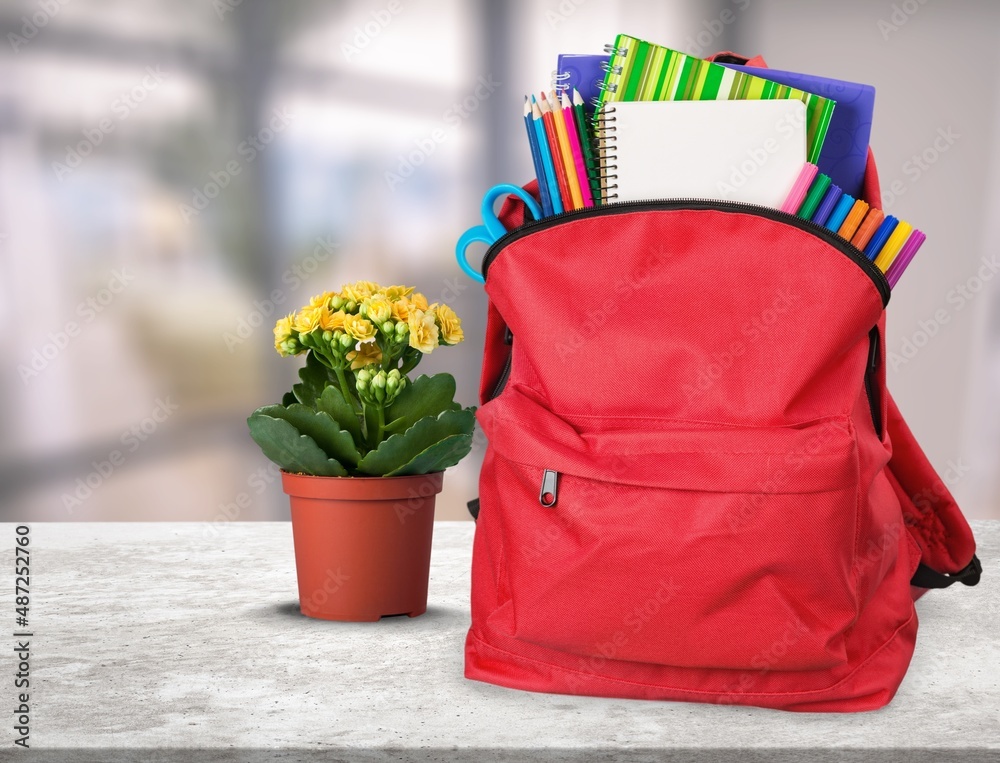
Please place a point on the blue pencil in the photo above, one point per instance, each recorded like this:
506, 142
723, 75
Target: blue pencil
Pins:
536, 159
543, 148
840, 212
880, 237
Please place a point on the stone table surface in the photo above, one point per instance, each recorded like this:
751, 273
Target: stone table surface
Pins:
183, 641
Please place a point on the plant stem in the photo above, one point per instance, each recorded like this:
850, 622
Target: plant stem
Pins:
381, 425
345, 389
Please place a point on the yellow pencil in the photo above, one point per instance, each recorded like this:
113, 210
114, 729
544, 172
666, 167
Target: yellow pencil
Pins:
893, 245
566, 151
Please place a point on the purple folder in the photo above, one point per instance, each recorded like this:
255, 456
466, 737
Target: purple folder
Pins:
582, 71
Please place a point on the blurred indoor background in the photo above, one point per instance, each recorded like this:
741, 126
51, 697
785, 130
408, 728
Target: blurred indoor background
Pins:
174, 173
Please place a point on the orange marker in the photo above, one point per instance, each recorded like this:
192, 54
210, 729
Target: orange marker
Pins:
853, 219
868, 228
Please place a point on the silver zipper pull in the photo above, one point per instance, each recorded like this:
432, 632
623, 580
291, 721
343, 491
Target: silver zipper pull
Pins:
549, 493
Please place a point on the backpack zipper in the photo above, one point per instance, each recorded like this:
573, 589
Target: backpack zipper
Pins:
622, 207
871, 381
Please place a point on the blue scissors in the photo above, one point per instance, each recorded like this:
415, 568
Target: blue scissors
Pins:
492, 228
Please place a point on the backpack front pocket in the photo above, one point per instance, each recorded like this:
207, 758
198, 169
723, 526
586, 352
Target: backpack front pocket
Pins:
678, 543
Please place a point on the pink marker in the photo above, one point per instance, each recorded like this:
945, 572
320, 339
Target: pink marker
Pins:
903, 258
800, 189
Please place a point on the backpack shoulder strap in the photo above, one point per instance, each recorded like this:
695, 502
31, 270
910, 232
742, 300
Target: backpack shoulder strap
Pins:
932, 517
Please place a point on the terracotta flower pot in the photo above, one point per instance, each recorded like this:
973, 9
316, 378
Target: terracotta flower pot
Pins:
362, 544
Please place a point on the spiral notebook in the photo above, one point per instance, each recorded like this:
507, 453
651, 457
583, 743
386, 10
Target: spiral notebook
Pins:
642, 71
749, 151
583, 72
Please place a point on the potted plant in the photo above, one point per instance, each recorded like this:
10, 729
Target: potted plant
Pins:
362, 448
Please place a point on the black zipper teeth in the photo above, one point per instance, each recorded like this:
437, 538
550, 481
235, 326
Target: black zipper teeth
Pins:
621, 207
504, 376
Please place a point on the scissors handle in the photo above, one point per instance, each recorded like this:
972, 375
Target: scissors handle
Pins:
472, 235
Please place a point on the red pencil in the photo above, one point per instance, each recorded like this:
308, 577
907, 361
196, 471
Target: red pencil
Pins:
557, 161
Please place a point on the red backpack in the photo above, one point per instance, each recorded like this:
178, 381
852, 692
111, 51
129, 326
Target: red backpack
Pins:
697, 486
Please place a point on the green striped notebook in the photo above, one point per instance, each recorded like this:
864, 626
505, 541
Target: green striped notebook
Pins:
642, 71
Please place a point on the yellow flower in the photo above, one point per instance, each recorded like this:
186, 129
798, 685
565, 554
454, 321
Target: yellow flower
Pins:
307, 319
359, 290
366, 356
418, 301
283, 331
393, 293
401, 310
423, 331
359, 328
450, 324
331, 321
379, 309
321, 300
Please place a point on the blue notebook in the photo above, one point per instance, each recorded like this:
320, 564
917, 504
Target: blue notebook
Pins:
845, 151
582, 71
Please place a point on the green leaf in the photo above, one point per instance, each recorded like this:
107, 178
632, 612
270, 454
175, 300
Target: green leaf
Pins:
427, 396
332, 402
288, 398
315, 378
321, 427
397, 452
437, 457
292, 451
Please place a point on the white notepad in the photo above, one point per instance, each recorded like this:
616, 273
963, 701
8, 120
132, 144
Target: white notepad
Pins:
750, 151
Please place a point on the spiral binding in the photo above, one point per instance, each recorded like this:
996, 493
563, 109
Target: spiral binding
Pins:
604, 136
611, 50
559, 83
607, 67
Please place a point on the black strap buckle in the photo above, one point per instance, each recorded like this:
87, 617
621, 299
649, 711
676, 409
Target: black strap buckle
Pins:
969, 575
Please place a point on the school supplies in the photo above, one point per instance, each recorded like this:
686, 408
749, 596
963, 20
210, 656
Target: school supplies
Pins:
867, 228
642, 71
582, 126
726, 150
904, 257
536, 159
800, 188
548, 167
825, 208
816, 193
492, 228
892, 246
555, 149
840, 212
854, 220
880, 236
583, 183
582, 72
845, 150
562, 135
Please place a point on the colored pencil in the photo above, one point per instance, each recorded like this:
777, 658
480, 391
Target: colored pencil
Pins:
536, 160
546, 155
574, 145
585, 144
867, 228
567, 153
854, 219
557, 161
